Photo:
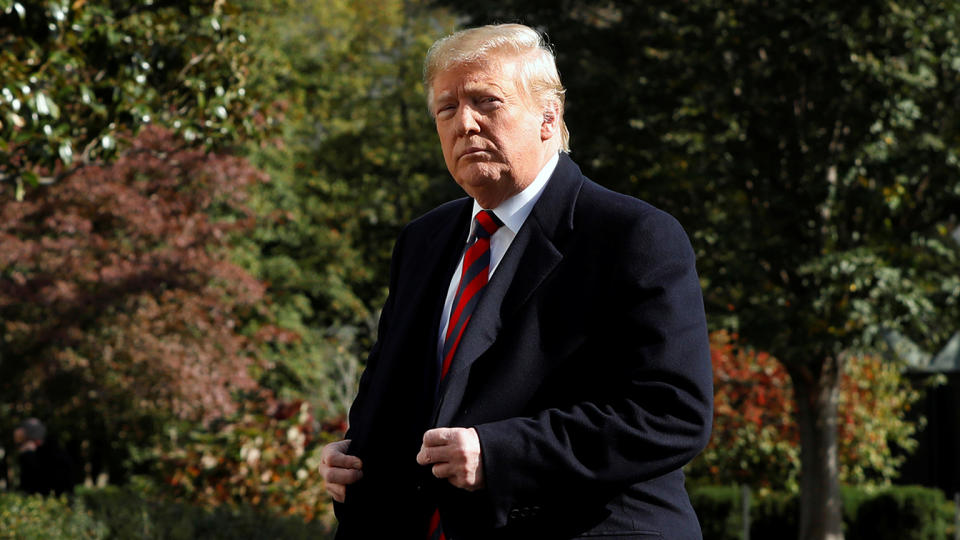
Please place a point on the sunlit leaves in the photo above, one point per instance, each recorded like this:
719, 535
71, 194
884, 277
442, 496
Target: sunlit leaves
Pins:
359, 157
264, 455
76, 74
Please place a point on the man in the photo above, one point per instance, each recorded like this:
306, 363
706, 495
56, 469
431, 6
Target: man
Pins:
44, 467
542, 371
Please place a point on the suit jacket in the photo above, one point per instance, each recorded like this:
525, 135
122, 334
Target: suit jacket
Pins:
585, 370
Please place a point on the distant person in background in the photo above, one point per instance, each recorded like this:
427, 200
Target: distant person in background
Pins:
4, 482
44, 467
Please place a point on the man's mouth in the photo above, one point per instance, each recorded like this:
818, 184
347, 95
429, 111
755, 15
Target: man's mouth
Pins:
473, 150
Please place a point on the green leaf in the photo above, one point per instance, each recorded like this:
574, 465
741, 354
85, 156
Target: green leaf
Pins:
31, 178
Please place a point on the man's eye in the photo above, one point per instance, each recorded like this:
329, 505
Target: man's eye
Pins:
489, 103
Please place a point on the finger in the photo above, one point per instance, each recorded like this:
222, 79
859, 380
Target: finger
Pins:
434, 454
334, 455
423, 456
337, 491
444, 470
339, 447
342, 476
343, 461
438, 436
455, 475
458, 476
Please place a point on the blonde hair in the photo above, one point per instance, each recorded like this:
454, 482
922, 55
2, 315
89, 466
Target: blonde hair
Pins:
539, 78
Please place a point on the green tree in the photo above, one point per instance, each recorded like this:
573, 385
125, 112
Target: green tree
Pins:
356, 160
812, 150
75, 75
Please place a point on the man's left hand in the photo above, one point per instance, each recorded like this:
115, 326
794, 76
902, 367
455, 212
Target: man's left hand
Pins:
454, 454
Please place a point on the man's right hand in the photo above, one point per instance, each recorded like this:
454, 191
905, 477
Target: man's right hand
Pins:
339, 469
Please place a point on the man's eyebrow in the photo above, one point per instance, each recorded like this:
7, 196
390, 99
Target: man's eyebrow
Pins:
446, 94
475, 87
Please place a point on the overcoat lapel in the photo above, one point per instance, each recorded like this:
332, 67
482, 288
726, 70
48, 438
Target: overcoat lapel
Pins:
448, 248
531, 257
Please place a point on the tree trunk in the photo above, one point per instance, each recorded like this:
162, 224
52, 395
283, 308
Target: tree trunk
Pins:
821, 509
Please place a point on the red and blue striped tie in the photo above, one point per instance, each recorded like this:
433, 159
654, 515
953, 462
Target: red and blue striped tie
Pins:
473, 279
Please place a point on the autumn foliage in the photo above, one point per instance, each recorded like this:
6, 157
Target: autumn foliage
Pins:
117, 294
755, 436
265, 454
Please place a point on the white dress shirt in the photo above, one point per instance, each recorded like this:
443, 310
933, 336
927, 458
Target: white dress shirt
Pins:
512, 212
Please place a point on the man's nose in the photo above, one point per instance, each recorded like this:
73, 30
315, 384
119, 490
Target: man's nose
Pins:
467, 121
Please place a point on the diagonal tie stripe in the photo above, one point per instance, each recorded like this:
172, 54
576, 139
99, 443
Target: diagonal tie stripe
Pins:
464, 303
489, 222
436, 533
475, 277
473, 280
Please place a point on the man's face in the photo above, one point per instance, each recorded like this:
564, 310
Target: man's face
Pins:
491, 134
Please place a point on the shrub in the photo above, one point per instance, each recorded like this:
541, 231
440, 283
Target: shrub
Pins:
896, 513
134, 511
719, 511
902, 513
774, 515
853, 498
264, 456
50, 518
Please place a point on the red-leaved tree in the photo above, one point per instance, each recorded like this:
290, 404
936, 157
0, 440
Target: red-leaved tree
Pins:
119, 305
755, 436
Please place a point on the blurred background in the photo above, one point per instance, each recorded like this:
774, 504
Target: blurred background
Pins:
198, 201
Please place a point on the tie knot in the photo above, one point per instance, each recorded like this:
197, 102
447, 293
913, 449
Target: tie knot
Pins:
487, 224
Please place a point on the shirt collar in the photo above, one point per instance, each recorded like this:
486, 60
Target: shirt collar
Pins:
515, 210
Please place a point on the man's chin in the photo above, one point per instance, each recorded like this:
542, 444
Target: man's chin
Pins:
478, 176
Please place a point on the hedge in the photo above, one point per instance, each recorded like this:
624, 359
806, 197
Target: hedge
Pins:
128, 512
719, 510
28, 517
907, 513
897, 512
894, 513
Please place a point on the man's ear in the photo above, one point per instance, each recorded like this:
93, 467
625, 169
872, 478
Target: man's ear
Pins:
550, 125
